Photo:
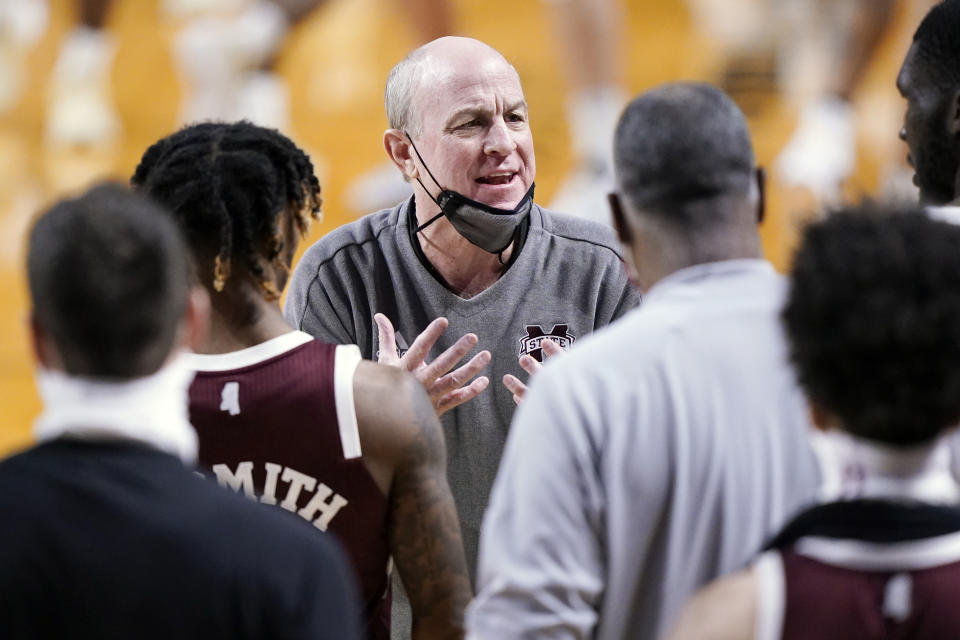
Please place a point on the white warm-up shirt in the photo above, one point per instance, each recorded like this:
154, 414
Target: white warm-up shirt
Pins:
657, 455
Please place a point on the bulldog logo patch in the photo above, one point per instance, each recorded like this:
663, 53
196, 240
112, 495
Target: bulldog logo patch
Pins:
530, 343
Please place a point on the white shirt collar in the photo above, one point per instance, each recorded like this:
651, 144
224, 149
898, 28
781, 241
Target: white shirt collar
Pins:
151, 410
946, 213
854, 467
708, 270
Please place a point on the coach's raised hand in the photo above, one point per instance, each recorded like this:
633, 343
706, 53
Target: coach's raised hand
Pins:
529, 364
446, 390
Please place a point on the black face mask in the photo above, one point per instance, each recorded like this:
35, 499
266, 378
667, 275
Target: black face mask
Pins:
490, 228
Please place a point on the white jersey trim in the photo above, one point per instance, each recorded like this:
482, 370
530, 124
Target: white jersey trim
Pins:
869, 556
771, 592
249, 356
345, 362
946, 213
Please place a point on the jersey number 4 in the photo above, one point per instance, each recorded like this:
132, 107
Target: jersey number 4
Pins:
230, 398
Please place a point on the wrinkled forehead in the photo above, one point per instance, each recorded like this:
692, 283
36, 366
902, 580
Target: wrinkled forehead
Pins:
449, 85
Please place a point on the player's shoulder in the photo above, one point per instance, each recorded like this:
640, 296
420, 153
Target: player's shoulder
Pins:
576, 233
360, 235
22, 469
396, 420
723, 610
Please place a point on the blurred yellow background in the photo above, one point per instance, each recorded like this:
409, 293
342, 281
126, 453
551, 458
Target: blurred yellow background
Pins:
336, 62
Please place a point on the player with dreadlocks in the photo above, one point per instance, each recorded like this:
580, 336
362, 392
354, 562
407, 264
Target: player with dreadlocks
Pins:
352, 446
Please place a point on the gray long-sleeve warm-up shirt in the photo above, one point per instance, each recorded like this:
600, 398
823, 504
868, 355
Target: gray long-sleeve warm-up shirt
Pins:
567, 281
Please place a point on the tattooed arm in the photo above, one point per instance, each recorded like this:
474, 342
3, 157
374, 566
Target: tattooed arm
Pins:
404, 450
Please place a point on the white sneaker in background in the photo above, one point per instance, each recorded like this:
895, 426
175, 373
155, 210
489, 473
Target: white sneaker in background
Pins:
592, 115
12, 73
80, 109
821, 153
185, 8
735, 24
379, 188
219, 59
22, 22
584, 192
263, 99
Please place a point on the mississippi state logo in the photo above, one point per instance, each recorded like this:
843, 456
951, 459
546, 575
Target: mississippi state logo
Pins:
530, 343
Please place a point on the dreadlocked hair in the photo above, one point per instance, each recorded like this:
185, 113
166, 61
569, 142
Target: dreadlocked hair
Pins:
227, 184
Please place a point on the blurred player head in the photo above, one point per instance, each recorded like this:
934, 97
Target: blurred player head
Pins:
929, 79
687, 188
461, 104
244, 197
873, 323
109, 286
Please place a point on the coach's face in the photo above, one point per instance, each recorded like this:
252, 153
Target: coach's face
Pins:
930, 129
474, 132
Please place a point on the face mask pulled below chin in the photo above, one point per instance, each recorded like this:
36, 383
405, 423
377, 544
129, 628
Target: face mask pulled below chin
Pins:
490, 228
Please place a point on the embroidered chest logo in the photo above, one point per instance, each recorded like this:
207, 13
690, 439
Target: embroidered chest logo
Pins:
530, 343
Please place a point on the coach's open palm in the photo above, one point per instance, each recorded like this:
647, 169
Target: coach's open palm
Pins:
446, 390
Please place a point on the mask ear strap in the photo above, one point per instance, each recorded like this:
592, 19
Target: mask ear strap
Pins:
430, 221
434, 218
513, 241
430, 173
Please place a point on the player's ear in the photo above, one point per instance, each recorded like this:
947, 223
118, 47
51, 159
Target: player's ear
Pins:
44, 353
196, 318
620, 224
761, 182
398, 148
953, 114
626, 236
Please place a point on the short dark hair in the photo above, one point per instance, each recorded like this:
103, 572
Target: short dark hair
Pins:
226, 184
938, 45
108, 277
680, 144
873, 321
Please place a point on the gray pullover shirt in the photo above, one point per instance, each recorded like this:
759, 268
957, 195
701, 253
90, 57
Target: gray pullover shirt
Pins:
566, 281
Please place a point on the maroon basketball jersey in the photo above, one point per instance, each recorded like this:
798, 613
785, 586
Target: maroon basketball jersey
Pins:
277, 422
838, 588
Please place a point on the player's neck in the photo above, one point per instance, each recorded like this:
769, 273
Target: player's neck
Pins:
239, 324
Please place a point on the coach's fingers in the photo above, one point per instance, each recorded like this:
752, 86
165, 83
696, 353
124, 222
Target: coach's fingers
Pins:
388, 340
417, 353
514, 386
550, 348
460, 377
449, 359
461, 395
529, 364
